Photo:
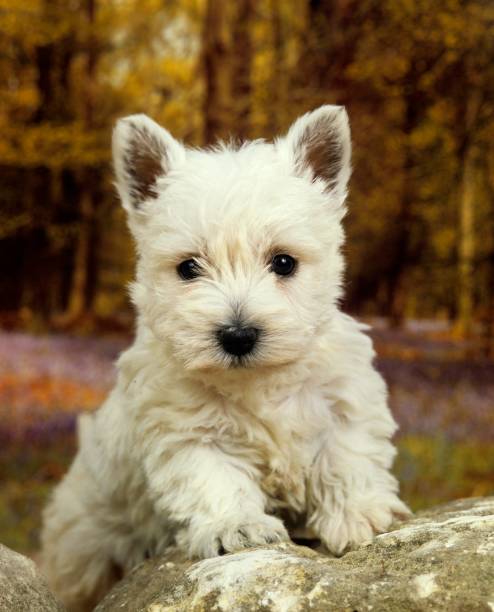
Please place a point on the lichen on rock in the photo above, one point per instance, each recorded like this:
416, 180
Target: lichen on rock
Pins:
442, 559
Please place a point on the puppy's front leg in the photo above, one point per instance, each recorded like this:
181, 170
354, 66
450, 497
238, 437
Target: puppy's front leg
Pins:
216, 497
353, 495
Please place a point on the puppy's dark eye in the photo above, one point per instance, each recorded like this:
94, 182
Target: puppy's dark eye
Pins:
283, 265
189, 269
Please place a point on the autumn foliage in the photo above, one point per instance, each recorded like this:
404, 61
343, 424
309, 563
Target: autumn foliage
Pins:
416, 76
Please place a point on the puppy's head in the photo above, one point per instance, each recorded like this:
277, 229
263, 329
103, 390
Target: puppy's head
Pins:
239, 259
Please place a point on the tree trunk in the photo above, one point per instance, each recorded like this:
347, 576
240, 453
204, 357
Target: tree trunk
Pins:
53, 56
332, 38
242, 67
488, 317
466, 246
401, 253
217, 98
468, 158
80, 297
277, 85
77, 298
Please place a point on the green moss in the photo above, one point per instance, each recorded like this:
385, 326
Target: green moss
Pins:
433, 470
28, 473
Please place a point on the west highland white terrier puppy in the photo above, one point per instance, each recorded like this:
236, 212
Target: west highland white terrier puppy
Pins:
247, 395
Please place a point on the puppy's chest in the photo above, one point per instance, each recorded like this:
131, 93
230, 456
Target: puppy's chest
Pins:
285, 435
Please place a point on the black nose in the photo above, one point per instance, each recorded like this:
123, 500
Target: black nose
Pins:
238, 340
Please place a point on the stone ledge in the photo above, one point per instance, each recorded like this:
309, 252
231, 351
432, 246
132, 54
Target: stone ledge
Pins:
22, 588
442, 559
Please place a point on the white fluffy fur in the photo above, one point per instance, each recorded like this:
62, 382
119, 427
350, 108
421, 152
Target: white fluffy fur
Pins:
190, 449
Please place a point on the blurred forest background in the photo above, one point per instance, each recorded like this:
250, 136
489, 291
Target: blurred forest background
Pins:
417, 78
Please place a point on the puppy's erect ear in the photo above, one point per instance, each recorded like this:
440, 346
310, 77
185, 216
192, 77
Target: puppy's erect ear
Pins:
320, 144
142, 153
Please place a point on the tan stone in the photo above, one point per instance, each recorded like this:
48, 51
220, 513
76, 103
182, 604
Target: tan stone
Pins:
22, 588
443, 559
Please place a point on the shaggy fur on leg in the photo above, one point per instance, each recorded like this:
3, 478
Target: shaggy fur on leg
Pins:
247, 393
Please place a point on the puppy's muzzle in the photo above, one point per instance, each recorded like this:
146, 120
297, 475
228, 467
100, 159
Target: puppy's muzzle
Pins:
237, 340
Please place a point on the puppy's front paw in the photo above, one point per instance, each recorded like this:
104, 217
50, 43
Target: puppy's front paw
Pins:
357, 521
263, 530
209, 540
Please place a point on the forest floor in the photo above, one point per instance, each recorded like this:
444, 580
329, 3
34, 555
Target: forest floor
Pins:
442, 399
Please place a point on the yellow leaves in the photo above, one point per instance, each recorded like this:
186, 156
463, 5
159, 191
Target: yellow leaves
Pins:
53, 146
18, 18
36, 21
425, 136
19, 98
444, 241
146, 58
177, 70
378, 63
9, 225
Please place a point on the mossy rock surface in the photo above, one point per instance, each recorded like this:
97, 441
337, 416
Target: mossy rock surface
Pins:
442, 559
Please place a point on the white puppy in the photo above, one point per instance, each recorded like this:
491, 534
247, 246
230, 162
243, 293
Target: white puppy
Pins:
247, 393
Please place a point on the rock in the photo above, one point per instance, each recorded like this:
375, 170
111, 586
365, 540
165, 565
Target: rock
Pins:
22, 588
443, 559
